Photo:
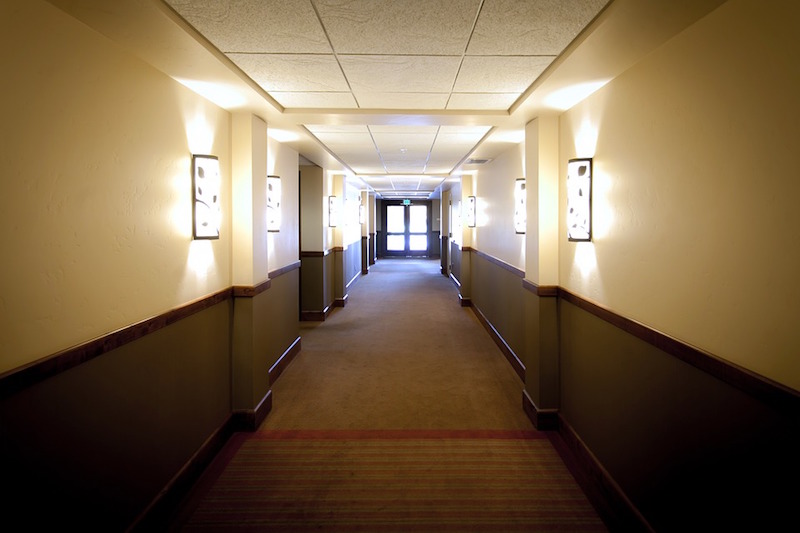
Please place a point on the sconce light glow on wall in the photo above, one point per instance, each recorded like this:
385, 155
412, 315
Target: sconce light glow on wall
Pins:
361, 215
273, 203
520, 212
470, 211
579, 200
206, 212
333, 212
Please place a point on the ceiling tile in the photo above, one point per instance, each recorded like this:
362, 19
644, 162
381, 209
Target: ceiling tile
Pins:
386, 74
312, 100
483, 101
404, 167
535, 27
499, 74
377, 100
335, 128
267, 26
295, 73
413, 27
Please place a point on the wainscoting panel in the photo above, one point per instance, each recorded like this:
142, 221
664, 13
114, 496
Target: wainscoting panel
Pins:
93, 445
688, 449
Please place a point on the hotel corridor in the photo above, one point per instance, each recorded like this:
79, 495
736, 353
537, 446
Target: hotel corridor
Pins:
399, 413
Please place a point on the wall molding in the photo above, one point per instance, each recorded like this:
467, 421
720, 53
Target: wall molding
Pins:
314, 254
540, 290
315, 316
516, 362
542, 419
283, 361
244, 291
284, 270
157, 515
499, 262
614, 507
340, 302
771, 392
251, 419
34, 372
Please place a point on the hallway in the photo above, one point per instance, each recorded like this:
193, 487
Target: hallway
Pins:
402, 355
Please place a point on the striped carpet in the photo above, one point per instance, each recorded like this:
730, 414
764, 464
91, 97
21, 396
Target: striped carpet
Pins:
392, 480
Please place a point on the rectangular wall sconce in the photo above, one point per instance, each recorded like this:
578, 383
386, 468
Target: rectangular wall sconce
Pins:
333, 212
273, 203
470, 211
206, 182
579, 200
361, 216
520, 211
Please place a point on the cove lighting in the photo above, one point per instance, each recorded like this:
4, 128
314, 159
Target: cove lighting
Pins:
579, 200
520, 212
470, 211
273, 203
206, 185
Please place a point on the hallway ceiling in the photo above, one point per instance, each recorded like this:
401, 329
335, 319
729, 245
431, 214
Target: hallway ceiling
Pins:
431, 58
400, 93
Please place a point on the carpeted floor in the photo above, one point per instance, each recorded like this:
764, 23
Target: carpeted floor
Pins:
399, 414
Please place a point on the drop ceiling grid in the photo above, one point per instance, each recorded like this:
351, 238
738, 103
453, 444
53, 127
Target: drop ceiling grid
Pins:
328, 55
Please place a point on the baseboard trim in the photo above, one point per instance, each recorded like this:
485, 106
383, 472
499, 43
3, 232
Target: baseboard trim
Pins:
158, 515
611, 503
340, 302
542, 419
283, 361
465, 302
251, 419
315, 316
501, 343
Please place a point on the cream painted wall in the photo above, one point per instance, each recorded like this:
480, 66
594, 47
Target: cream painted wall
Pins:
696, 189
249, 189
455, 213
352, 228
97, 176
495, 234
284, 247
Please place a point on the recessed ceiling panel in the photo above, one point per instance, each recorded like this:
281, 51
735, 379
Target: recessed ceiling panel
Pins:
412, 74
508, 74
486, 101
541, 27
265, 26
296, 73
375, 100
311, 100
414, 27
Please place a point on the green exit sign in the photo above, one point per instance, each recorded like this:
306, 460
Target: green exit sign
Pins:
406, 202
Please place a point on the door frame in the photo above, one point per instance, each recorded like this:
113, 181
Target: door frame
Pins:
406, 252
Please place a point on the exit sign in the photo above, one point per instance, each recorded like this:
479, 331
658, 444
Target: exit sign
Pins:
406, 202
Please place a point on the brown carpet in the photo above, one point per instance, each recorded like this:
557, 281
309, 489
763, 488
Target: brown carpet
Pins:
399, 414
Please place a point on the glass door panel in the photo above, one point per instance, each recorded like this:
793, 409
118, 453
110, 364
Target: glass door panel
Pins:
418, 228
407, 229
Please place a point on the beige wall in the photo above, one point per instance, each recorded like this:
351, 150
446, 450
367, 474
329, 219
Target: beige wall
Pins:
284, 247
695, 189
97, 202
495, 234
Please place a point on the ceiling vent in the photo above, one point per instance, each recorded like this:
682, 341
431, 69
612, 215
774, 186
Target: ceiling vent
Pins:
472, 161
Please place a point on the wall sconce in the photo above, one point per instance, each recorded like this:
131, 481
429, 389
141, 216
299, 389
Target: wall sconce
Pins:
579, 200
273, 203
361, 215
333, 212
206, 184
520, 211
470, 211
